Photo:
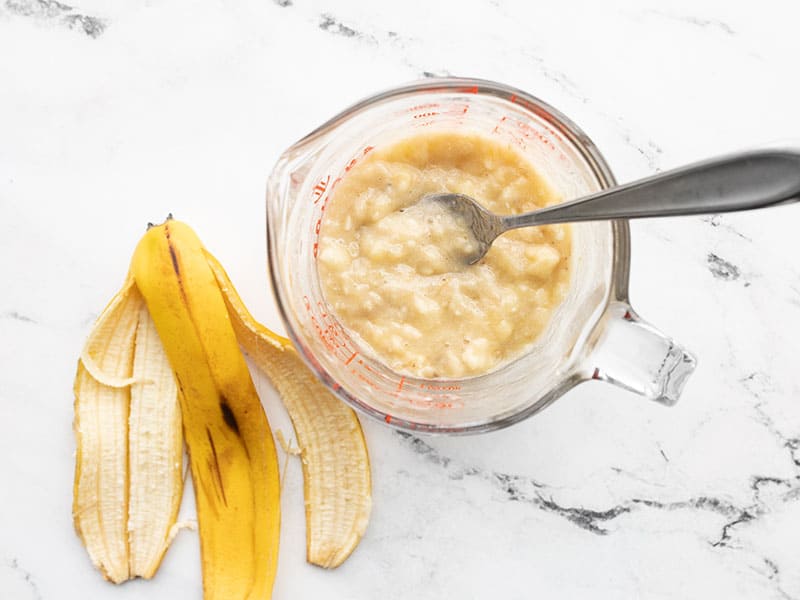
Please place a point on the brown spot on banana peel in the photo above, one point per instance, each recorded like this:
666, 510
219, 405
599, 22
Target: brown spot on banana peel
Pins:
214, 467
173, 255
174, 258
228, 417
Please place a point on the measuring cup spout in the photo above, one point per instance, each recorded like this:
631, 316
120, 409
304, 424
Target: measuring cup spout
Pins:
634, 355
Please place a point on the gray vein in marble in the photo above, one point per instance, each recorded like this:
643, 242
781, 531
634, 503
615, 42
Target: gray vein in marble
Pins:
717, 221
648, 149
330, 24
424, 449
774, 575
702, 23
559, 78
584, 518
438, 73
15, 316
51, 10
528, 490
663, 454
721, 268
27, 577
760, 385
516, 488
283, 3
725, 535
633, 476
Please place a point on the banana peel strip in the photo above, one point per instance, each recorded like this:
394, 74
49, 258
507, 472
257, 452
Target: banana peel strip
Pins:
155, 452
336, 469
231, 451
100, 493
128, 481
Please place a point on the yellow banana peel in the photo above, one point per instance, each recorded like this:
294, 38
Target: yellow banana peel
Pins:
163, 364
232, 455
336, 470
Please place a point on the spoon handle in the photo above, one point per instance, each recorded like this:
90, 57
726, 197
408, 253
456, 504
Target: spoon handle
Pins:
737, 182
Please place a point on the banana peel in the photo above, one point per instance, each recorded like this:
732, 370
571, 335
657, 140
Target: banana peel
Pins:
336, 470
155, 452
164, 357
128, 482
231, 452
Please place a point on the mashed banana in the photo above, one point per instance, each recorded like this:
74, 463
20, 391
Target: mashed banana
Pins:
391, 271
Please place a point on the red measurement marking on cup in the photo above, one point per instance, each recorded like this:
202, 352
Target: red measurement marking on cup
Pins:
538, 110
452, 402
364, 379
366, 150
440, 387
521, 133
554, 133
324, 189
328, 331
377, 375
499, 124
457, 110
328, 334
429, 402
529, 132
425, 395
424, 114
338, 343
423, 107
319, 189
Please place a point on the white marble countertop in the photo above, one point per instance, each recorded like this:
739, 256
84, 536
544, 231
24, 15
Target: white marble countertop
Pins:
114, 113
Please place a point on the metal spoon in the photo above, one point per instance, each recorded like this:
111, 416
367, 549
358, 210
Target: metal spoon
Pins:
737, 182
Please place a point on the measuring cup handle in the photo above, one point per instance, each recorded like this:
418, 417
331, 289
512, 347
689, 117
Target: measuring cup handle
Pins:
634, 355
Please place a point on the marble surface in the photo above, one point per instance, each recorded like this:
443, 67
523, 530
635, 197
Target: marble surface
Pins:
113, 114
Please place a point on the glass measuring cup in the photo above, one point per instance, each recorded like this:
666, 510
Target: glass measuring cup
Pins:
594, 334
